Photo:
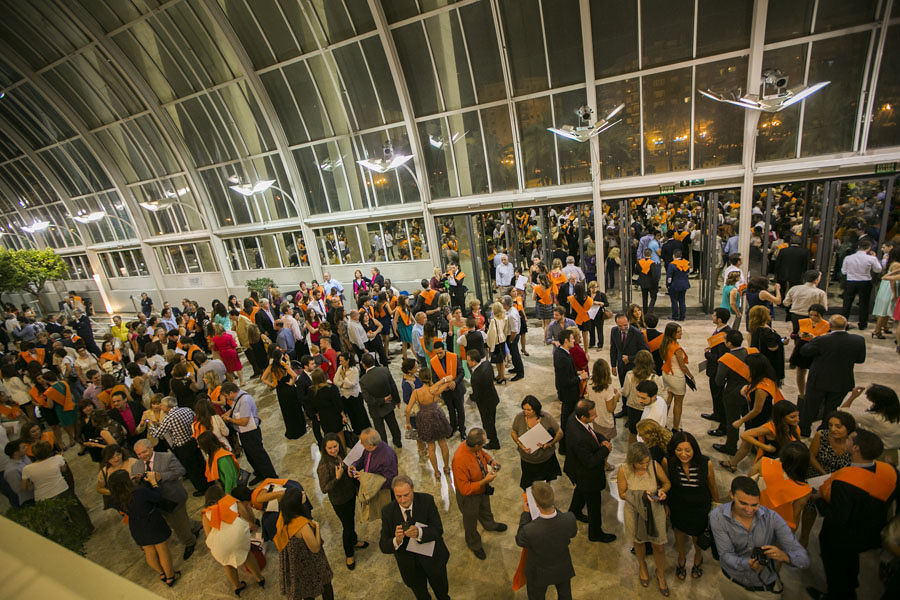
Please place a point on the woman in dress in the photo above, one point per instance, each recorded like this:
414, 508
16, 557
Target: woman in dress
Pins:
605, 398
360, 284
731, 297
221, 465
183, 386
765, 339
109, 431
384, 314
643, 485
756, 294
335, 481
761, 393
281, 376
346, 378
373, 328
305, 572
829, 449
675, 371
807, 330
497, 333
475, 312
403, 323
148, 528
227, 524
538, 464
785, 490
690, 498
110, 359
543, 300
655, 436
886, 297
84, 363
432, 424
311, 323
325, 400
221, 318
644, 369
770, 438
224, 344
411, 382
154, 416
256, 349
85, 431
557, 278
114, 458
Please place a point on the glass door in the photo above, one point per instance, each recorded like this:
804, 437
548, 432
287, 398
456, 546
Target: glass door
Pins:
456, 247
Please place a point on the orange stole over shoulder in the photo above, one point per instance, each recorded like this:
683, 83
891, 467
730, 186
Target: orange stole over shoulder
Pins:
39, 355
61, 395
736, 364
544, 295
221, 512
428, 296
581, 311
645, 264
879, 484
806, 326
681, 264
558, 280
670, 354
254, 496
47, 436
212, 470
284, 533
655, 343
404, 316
451, 365
770, 387
715, 339
10, 412
680, 235
780, 491
114, 356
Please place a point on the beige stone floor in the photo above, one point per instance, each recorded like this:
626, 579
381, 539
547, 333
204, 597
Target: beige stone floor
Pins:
600, 568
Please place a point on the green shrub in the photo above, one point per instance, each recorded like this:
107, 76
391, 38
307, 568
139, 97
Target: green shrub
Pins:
259, 285
50, 518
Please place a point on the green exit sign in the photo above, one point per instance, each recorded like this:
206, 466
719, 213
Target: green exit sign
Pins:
885, 168
690, 182
506, 206
666, 189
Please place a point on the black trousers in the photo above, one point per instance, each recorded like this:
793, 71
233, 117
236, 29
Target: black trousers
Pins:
436, 576
515, 354
841, 566
592, 500
563, 591
456, 407
346, 512
595, 336
356, 412
851, 290
188, 454
718, 405
679, 307
816, 404
488, 416
735, 407
651, 293
391, 420
252, 443
314, 423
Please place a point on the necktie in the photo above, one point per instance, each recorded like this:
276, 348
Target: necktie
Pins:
593, 435
623, 338
407, 514
147, 465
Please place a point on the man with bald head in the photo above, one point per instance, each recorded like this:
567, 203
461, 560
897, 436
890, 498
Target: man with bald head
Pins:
831, 372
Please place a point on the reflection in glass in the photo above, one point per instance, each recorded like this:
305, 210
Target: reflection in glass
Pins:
564, 47
538, 151
524, 45
835, 14
666, 31
828, 124
777, 132
667, 121
416, 63
718, 127
450, 62
885, 128
574, 157
786, 20
484, 53
723, 26
614, 23
620, 152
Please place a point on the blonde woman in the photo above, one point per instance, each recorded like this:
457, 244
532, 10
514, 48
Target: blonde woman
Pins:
432, 424
644, 369
498, 331
675, 371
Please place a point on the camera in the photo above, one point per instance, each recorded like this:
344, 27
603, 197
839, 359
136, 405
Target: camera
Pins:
489, 490
759, 555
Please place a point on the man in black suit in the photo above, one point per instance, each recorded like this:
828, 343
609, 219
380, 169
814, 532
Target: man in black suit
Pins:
790, 265
445, 364
831, 372
586, 467
127, 414
484, 395
626, 340
714, 350
568, 381
732, 374
380, 393
302, 385
547, 541
265, 319
414, 516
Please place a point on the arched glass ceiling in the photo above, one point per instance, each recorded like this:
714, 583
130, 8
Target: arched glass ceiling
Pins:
110, 104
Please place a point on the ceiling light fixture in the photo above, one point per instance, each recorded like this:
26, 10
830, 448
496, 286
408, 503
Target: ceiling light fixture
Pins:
155, 205
90, 217
440, 141
390, 161
584, 131
245, 189
36, 226
781, 99
176, 193
328, 165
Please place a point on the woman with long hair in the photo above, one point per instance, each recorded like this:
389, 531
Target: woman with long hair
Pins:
256, 349
498, 332
335, 481
786, 491
432, 424
383, 313
881, 417
756, 294
675, 370
537, 464
207, 419
644, 369
655, 436
579, 304
636, 317
770, 438
325, 400
596, 331
113, 458
227, 523
807, 330
403, 323
148, 528
221, 465
543, 300
643, 485
346, 378
690, 499
305, 572
475, 313
280, 376
765, 339
605, 397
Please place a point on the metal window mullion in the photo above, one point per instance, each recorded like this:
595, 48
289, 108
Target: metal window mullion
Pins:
319, 51
75, 93
197, 66
326, 115
296, 105
434, 72
163, 35
800, 127
121, 121
641, 121
372, 81
815, 15
200, 93
693, 115
262, 31
239, 150
487, 167
452, 156
322, 177
234, 161
285, 19
409, 241
556, 144
544, 40
873, 84
640, 45
863, 90
468, 56
118, 114
507, 81
359, 245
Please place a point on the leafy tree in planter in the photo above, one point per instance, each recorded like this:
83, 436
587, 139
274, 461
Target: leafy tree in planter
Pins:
259, 285
29, 271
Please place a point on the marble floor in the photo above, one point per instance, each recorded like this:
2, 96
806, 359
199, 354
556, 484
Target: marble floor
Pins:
600, 568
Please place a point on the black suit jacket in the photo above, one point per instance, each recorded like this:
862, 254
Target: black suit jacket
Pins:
585, 458
265, 324
377, 384
547, 541
567, 381
137, 411
712, 357
790, 264
833, 356
634, 343
483, 391
425, 512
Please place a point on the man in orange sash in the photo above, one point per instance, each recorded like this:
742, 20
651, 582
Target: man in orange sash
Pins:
854, 504
456, 287
648, 279
427, 301
732, 374
654, 339
715, 348
446, 364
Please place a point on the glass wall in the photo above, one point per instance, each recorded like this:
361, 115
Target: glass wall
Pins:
124, 263
276, 251
374, 242
179, 259
78, 266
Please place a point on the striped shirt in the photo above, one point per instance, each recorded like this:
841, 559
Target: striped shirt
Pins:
175, 427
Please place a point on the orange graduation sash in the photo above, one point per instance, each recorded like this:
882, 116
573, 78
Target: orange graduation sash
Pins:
428, 296
429, 353
61, 395
770, 387
680, 235
254, 496
670, 354
581, 311
806, 326
38, 357
10, 412
681, 264
780, 492
716, 339
115, 356
284, 533
645, 264
544, 295
439, 369
558, 280
879, 484
404, 317
655, 343
736, 364
212, 470
221, 512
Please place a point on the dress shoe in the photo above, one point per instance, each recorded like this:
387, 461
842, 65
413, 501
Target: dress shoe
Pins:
861, 326
479, 554
709, 416
581, 517
517, 377
716, 432
603, 538
188, 551
500, 527
492, 446
620, 415
724, 449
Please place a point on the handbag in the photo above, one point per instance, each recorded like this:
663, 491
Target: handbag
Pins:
705, 539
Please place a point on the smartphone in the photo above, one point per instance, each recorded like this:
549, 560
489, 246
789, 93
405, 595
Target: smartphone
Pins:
654, 497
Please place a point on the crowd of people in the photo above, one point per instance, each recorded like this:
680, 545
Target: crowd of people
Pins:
161, 397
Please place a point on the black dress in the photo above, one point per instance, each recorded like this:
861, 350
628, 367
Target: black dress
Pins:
181, 389
291, 412
689, 498
761, 339
328, 405
86, 432
145, 521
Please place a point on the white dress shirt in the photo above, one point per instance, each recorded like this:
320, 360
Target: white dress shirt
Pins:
860, 265
292, 324
403, 511
357, 334
515, 323
504, 274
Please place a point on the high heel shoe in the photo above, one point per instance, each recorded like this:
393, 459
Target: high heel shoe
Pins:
877, 335
500, 381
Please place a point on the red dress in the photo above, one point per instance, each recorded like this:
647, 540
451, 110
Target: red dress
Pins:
227, 349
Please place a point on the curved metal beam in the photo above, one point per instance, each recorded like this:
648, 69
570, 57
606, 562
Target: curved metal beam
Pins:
218, 16
161, 118
111, 169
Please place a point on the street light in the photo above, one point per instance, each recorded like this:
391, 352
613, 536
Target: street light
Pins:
389, 162
162, 205
36, 226
99, 215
